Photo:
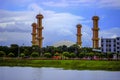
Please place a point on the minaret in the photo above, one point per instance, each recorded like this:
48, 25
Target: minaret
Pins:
39, 30
79, 42
95, 30
34, 25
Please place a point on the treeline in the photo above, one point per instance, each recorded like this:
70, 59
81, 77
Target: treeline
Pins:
50, 52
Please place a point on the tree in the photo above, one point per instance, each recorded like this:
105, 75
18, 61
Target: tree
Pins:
26, 52
2, 54
56, 54
81, 55
72, 55
35, 54
109, 55
48, 55
91, 54
14, 49
66, 54
11, 54
22, 55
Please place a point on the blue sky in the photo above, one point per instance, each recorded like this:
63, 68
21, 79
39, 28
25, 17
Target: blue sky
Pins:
60, 20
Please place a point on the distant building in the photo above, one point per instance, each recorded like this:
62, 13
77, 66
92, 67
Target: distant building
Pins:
61, 43
110, 45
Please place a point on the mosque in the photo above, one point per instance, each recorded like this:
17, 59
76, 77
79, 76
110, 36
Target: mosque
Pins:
37, 28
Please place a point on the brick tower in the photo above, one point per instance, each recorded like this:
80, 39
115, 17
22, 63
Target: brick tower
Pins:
39, 30
34, 25
79, 42
95, 30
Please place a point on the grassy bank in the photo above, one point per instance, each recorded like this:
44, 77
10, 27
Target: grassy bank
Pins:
66, 64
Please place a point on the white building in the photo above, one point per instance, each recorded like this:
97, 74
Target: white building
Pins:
110, 45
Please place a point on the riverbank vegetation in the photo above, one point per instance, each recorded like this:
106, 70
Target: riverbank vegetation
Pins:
61, 52
65, 64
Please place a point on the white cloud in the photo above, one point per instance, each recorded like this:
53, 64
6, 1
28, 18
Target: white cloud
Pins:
57, 26
109, 3
94, 3
62, 3
110, 33
15, 27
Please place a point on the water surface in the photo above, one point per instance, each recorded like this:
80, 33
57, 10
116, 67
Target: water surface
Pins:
30, 73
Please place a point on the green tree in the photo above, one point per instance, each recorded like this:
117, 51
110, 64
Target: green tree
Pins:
2, 54
56, 54
81, 55
109, 55
91, 54
14, 49
72, 55
66, 54
11, 54
35, 54
48, 55
22, 55
26, 52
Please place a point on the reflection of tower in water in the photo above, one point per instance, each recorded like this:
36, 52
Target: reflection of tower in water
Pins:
79, 42
95, 30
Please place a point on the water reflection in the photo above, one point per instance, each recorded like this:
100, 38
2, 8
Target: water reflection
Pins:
29, 73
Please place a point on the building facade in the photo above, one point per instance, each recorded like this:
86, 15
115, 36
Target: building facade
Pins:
111, 45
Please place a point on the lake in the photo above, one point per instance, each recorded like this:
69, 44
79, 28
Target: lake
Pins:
31, 73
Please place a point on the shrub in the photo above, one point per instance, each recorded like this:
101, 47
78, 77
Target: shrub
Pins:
35, 54
22, 55
11, 54
81, 55
2, 53
26, 52
48, 55
56, 54
72, 55
66, 54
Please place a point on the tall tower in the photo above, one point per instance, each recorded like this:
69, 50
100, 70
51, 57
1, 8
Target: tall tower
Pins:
39, 30
34, 25
79, 42
95, 30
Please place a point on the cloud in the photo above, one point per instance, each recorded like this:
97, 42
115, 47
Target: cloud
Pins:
57, 26
93, 3
15, 26
109, 3
62, 3
110, 33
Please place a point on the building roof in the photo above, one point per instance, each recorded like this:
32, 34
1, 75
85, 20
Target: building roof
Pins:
65, 42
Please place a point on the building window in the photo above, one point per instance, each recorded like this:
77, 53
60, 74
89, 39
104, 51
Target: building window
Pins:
110, 50
114, 41
114, 50
102, 40
109, 40
118, 47
102, 45
114, 45
118, 38
109, 45
118, 51
118, 43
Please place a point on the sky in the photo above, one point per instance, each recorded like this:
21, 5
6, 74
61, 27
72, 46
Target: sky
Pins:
59, 22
